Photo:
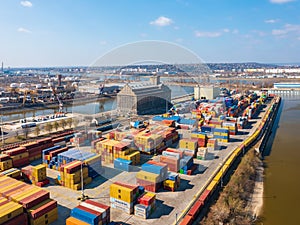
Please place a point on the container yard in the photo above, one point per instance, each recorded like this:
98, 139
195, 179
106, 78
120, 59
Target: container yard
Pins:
157, 171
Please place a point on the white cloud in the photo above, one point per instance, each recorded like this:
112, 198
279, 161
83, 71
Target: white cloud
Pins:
207, 34
23, 30
162, 21
235, 31
271, 21
226, 30
280, 1
103, 42
292, 29
259, 33
26, 3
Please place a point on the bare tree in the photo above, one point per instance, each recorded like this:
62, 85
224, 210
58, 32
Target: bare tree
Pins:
37, 130
63, 123
56, 125
48, 127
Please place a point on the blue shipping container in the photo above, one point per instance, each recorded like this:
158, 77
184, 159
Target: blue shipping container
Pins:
85, 216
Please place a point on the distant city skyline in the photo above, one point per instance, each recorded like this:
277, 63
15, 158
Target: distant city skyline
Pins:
77, 33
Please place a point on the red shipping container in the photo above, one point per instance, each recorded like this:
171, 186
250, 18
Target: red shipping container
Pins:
149, 186
13, 194
34, 199
18, 187
172, 162
21, 162
187, 220
58, 139
4, 202
204, 196
47, 207
4, 157
43, 183
195, 209
56, 152
175, 150
98, 214
98, 204
73, 166
18, 220
15, 151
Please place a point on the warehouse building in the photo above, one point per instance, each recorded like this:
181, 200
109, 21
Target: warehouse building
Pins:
206, 92
144, 98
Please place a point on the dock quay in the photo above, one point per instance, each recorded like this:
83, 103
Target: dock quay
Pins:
172, 207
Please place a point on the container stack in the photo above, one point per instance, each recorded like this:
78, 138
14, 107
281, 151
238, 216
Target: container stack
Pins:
148, 142
50, 156
91, 160
34, 201
94, 166
171, 157
123, 196
172, 182
150, 181
221, 134
13, 173
201, 137
152, 175
189, 145
19, 156
5, 162
186, 164
11, 212
35, 175
202, 153
112, 149
70, 175
231, 126
145, 205
212, 144
123, 164
89, 212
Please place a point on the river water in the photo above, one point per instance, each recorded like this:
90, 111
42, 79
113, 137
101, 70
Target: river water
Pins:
102, 105
282, 183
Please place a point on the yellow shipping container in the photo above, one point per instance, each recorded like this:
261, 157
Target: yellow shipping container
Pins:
212, 185
170, 183
14, 174
47, 218
25, 194
120, 192
20, 156
10, 210
152, 177
96, 158
9, 186
5, 165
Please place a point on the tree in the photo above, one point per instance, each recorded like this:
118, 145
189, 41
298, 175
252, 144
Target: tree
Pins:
69, 122
48, 127
55, 125
26, 132
63, 124
75, 122
37, 130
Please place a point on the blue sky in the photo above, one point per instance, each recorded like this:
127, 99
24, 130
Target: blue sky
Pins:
77, 32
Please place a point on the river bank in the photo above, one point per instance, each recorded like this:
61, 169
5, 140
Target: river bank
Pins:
256, 202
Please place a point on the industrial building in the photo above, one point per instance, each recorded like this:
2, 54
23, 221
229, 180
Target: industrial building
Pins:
206, 92
144, 98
